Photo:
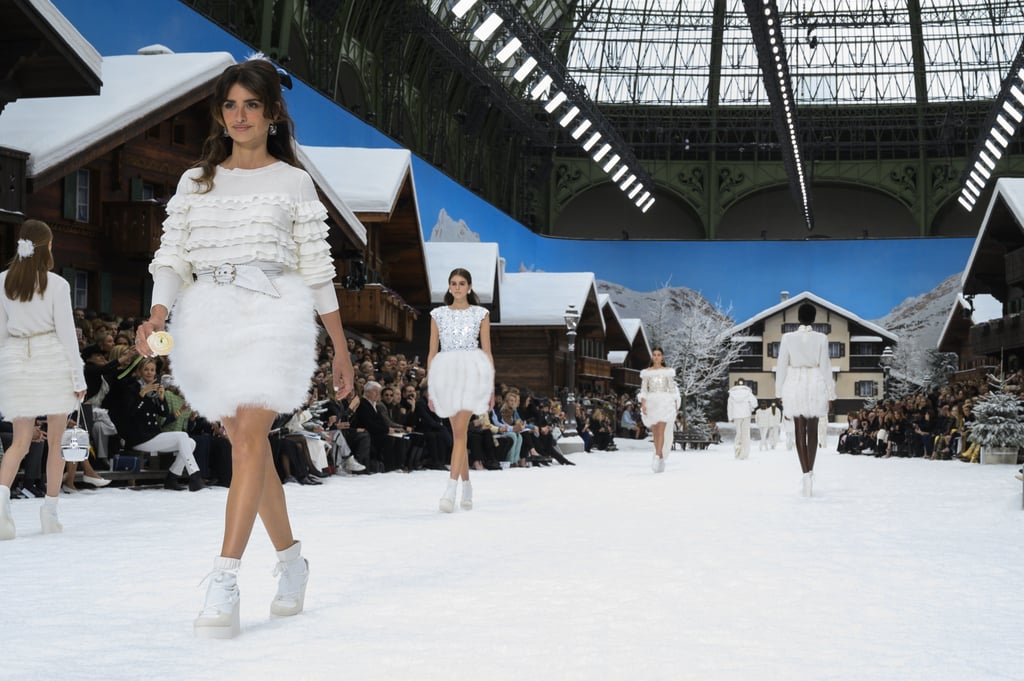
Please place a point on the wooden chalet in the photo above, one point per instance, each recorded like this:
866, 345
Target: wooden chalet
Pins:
625, 377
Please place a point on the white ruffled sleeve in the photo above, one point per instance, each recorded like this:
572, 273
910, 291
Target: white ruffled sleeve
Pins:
642, 395
172, 251
309, 230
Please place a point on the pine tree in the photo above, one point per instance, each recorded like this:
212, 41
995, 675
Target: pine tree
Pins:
997, 417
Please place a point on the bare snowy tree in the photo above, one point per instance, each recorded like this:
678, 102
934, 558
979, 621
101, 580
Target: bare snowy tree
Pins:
692, 333
915, 368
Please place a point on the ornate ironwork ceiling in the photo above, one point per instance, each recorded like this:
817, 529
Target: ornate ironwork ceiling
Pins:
875, 80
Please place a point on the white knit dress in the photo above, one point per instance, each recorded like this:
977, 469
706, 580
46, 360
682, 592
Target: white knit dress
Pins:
660, 394
232, 346
40, 368
461, 377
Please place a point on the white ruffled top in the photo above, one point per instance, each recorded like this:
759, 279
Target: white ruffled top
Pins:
270, 214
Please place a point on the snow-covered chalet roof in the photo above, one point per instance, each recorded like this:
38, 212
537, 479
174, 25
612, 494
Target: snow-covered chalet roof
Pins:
369, 180
54, 129
323, 169
541, 298
808, 296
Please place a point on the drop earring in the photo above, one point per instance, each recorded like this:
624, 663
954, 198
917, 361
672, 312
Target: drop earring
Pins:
273, 129
225, 133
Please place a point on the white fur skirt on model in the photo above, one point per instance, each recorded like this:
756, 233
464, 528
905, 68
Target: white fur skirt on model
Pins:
661, 408
35, 378
460, 380
804, 393
234, 347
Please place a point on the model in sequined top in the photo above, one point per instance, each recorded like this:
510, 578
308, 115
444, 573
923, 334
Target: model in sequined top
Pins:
460, 374
659, 402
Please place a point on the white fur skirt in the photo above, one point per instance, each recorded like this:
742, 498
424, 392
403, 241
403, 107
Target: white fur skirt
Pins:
35, 378
804, 393
234, 347
661, 408
460, 380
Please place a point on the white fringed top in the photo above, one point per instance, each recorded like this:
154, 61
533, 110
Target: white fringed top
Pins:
270, 214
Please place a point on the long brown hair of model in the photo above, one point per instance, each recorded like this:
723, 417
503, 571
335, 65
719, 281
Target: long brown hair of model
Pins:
471, 297
27, 275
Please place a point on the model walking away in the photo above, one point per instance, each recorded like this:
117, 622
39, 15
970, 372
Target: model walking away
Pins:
460, 374
244, 261
659, 402
41, 371
803, 379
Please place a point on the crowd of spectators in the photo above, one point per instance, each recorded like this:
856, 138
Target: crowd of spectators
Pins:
934, 425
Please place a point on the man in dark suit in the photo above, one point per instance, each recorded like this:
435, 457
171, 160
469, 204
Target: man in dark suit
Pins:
383, 447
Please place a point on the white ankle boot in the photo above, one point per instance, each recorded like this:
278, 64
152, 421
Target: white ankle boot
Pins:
467, 496
447, 503
7, 530
291, 587
807, 484
654, 462
219, 616
48, 516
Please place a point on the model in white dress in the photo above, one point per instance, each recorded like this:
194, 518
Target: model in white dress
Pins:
40, 369
659, 403
460, 375
803, 379
245, 243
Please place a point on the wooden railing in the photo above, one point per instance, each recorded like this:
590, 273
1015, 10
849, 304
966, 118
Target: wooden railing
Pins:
134, 227
378, 311
593, 367
624, 376
996, 335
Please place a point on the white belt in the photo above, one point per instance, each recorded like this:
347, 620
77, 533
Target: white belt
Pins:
252, 277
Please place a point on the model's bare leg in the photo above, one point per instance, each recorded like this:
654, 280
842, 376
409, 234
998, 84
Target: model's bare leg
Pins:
812, 442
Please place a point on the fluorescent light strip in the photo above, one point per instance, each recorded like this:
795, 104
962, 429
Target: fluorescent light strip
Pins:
636, 190
567, 118
487, 29
643, 199
629, 180
985, 172
1003, 142
974, 190
1017, 94
542, 87
987, 160
977, 178
529, 65
602, 152
1014, 114
578, 132
555, 102
1005, 125
648, 206
965, 204
463, 6
619, 173
995, 151
506, 52
611, 163
589, 144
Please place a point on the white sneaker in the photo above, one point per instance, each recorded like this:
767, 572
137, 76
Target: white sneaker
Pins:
48, 516
95, 482
661, 464
447, 503
219, 616
293, 570
467, 496
7, 530
654, 463
352, 466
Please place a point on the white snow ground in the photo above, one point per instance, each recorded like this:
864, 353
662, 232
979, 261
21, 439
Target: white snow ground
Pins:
716, 569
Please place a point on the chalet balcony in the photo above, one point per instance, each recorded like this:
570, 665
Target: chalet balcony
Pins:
626, 377
591, 367
12, 199
748, 363
865, 363
378, 312
134, 227
992, 337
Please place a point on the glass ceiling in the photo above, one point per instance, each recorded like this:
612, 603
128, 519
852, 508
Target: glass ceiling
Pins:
659, 52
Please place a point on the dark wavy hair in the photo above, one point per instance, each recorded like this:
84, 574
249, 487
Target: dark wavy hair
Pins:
658, 347
27, 276
472, 297
261, 78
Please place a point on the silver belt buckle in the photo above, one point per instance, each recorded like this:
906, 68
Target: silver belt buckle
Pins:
225, 274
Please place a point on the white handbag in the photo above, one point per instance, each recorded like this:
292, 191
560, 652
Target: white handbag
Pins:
74, 444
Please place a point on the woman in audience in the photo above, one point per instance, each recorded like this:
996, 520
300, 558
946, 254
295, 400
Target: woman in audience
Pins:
659, 402
460, 374
245, 242
803, 380
40, 367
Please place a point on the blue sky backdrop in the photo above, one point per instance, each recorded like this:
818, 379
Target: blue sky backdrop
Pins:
867, 277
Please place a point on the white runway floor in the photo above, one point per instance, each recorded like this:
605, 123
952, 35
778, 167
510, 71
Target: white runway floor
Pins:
717, 569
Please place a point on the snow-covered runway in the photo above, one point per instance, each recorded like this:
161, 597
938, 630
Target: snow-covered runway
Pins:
716, 569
